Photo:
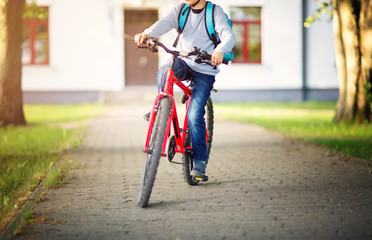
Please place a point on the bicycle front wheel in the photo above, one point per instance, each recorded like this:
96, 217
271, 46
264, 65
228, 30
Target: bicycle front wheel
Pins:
187, 163
154, 152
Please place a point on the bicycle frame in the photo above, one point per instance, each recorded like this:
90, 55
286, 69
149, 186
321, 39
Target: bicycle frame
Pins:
168, 92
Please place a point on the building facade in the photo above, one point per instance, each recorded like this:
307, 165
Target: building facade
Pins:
82, 50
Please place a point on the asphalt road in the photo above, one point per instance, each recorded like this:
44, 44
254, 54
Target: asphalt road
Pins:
261, 186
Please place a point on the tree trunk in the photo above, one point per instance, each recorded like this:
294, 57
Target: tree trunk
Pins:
11, 102
340, 62
353, 59
365, 97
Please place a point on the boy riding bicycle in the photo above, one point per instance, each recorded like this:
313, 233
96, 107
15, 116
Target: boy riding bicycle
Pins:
195, 34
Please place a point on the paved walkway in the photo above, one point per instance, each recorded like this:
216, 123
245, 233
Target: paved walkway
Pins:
262, 186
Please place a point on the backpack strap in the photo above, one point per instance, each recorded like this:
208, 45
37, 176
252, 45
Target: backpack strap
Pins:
210, 26
182, 19
209, 23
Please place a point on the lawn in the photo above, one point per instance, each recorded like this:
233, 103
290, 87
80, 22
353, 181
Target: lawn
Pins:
309, 121
27, 153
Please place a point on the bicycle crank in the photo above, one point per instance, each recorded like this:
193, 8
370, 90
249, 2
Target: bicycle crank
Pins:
172, 150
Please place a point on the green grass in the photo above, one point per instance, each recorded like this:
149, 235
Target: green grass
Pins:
27, 153
310, 121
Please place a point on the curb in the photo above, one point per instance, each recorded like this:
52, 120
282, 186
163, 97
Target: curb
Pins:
8, 231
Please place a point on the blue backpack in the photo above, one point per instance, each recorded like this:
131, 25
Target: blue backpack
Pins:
209, 24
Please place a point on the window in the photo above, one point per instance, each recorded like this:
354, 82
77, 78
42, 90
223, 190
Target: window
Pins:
247, 30
35, 44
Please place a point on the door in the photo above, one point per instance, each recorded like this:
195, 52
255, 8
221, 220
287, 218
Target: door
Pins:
141, 65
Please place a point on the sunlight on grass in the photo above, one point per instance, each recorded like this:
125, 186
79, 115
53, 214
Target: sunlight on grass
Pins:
310, 121
60, 113
28, 152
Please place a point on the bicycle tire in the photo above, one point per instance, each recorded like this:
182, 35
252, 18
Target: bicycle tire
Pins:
187, 163
209, 121
154, 152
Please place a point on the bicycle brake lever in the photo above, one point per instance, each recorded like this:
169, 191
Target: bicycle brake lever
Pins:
198, 60
195, 52
151, 45
154, 49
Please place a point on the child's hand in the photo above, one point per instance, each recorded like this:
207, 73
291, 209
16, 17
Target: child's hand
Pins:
217, 57
140, 37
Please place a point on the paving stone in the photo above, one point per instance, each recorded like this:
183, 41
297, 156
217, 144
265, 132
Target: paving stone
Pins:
262, 186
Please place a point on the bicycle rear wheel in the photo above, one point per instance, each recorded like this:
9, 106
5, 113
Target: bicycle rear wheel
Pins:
187, 163
154, 152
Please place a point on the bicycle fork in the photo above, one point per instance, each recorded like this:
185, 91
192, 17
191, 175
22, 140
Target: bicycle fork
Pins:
172, 118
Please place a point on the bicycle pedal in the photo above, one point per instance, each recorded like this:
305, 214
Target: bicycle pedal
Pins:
202, 179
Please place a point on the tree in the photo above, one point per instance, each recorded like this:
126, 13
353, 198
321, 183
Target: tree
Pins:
11, 100
352, 24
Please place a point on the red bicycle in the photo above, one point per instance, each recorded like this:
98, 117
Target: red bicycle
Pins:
163, 115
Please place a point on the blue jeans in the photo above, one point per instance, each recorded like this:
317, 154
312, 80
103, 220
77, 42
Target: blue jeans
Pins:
203, 84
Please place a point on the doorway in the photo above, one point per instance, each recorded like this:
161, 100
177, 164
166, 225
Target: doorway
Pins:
141, 65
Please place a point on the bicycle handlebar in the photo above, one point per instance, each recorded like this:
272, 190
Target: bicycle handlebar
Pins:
201, 56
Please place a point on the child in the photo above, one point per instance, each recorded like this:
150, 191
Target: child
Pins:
195, 34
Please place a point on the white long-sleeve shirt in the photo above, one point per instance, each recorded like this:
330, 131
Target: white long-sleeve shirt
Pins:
195, 34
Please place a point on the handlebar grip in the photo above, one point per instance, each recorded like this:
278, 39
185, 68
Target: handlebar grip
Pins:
145, 41
207, 56
149, 43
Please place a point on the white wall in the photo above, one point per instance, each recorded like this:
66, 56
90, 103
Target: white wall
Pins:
321, 65
86, 48
281, 49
